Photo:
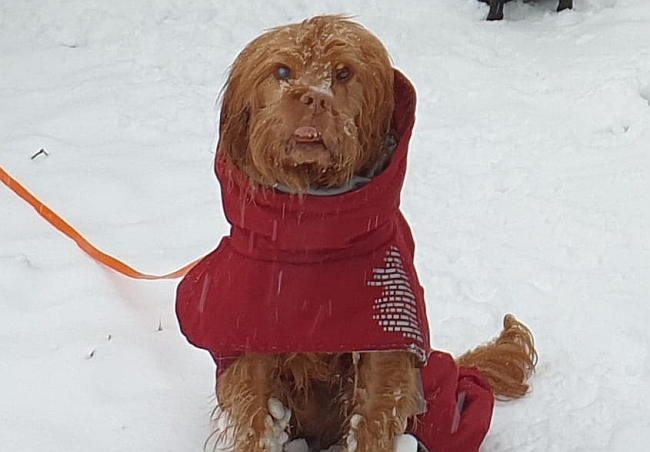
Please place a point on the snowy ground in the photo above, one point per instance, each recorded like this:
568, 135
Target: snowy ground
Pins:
528, 192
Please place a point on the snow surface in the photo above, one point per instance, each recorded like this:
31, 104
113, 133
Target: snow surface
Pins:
528, 192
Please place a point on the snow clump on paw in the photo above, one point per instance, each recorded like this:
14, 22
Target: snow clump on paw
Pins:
277, 425
351, 439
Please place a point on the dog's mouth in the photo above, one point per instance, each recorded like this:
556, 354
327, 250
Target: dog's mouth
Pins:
307, 134
306, 146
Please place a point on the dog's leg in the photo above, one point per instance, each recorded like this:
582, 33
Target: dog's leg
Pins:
496, 10
564, 4
385, 397
249, 394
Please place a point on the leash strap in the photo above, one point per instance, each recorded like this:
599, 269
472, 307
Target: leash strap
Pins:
64, 227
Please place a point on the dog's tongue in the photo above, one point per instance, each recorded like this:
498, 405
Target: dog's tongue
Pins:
306, 134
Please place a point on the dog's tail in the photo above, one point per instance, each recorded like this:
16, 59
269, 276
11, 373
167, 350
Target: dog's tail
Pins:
507, 362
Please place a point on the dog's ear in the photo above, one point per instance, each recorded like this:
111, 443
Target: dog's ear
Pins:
234, 118
377, 81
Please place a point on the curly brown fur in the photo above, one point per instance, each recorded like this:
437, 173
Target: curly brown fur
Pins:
386, 397
507, 362
243, 392
308, 105
324, 392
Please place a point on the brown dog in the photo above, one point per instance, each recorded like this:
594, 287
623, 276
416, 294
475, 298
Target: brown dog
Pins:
308, 109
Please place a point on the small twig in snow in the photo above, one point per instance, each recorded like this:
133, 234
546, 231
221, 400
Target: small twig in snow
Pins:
40, 152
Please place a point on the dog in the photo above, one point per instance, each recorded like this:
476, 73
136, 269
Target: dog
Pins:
314, 127
496, 7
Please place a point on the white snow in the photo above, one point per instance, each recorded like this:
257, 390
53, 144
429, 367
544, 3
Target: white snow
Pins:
351, 442
528, 191
277, 424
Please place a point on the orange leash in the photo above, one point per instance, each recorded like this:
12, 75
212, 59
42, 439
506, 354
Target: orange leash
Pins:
63, 226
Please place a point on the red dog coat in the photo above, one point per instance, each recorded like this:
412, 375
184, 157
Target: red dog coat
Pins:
328, 274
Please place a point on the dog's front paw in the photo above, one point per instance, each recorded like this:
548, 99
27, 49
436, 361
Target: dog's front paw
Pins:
277, 426
351, 440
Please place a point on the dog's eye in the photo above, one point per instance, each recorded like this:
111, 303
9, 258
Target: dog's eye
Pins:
283, 72
342, 73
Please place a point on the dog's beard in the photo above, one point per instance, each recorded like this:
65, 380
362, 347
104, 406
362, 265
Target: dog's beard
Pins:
278, 158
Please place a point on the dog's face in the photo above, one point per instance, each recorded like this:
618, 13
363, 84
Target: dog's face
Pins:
308, 105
